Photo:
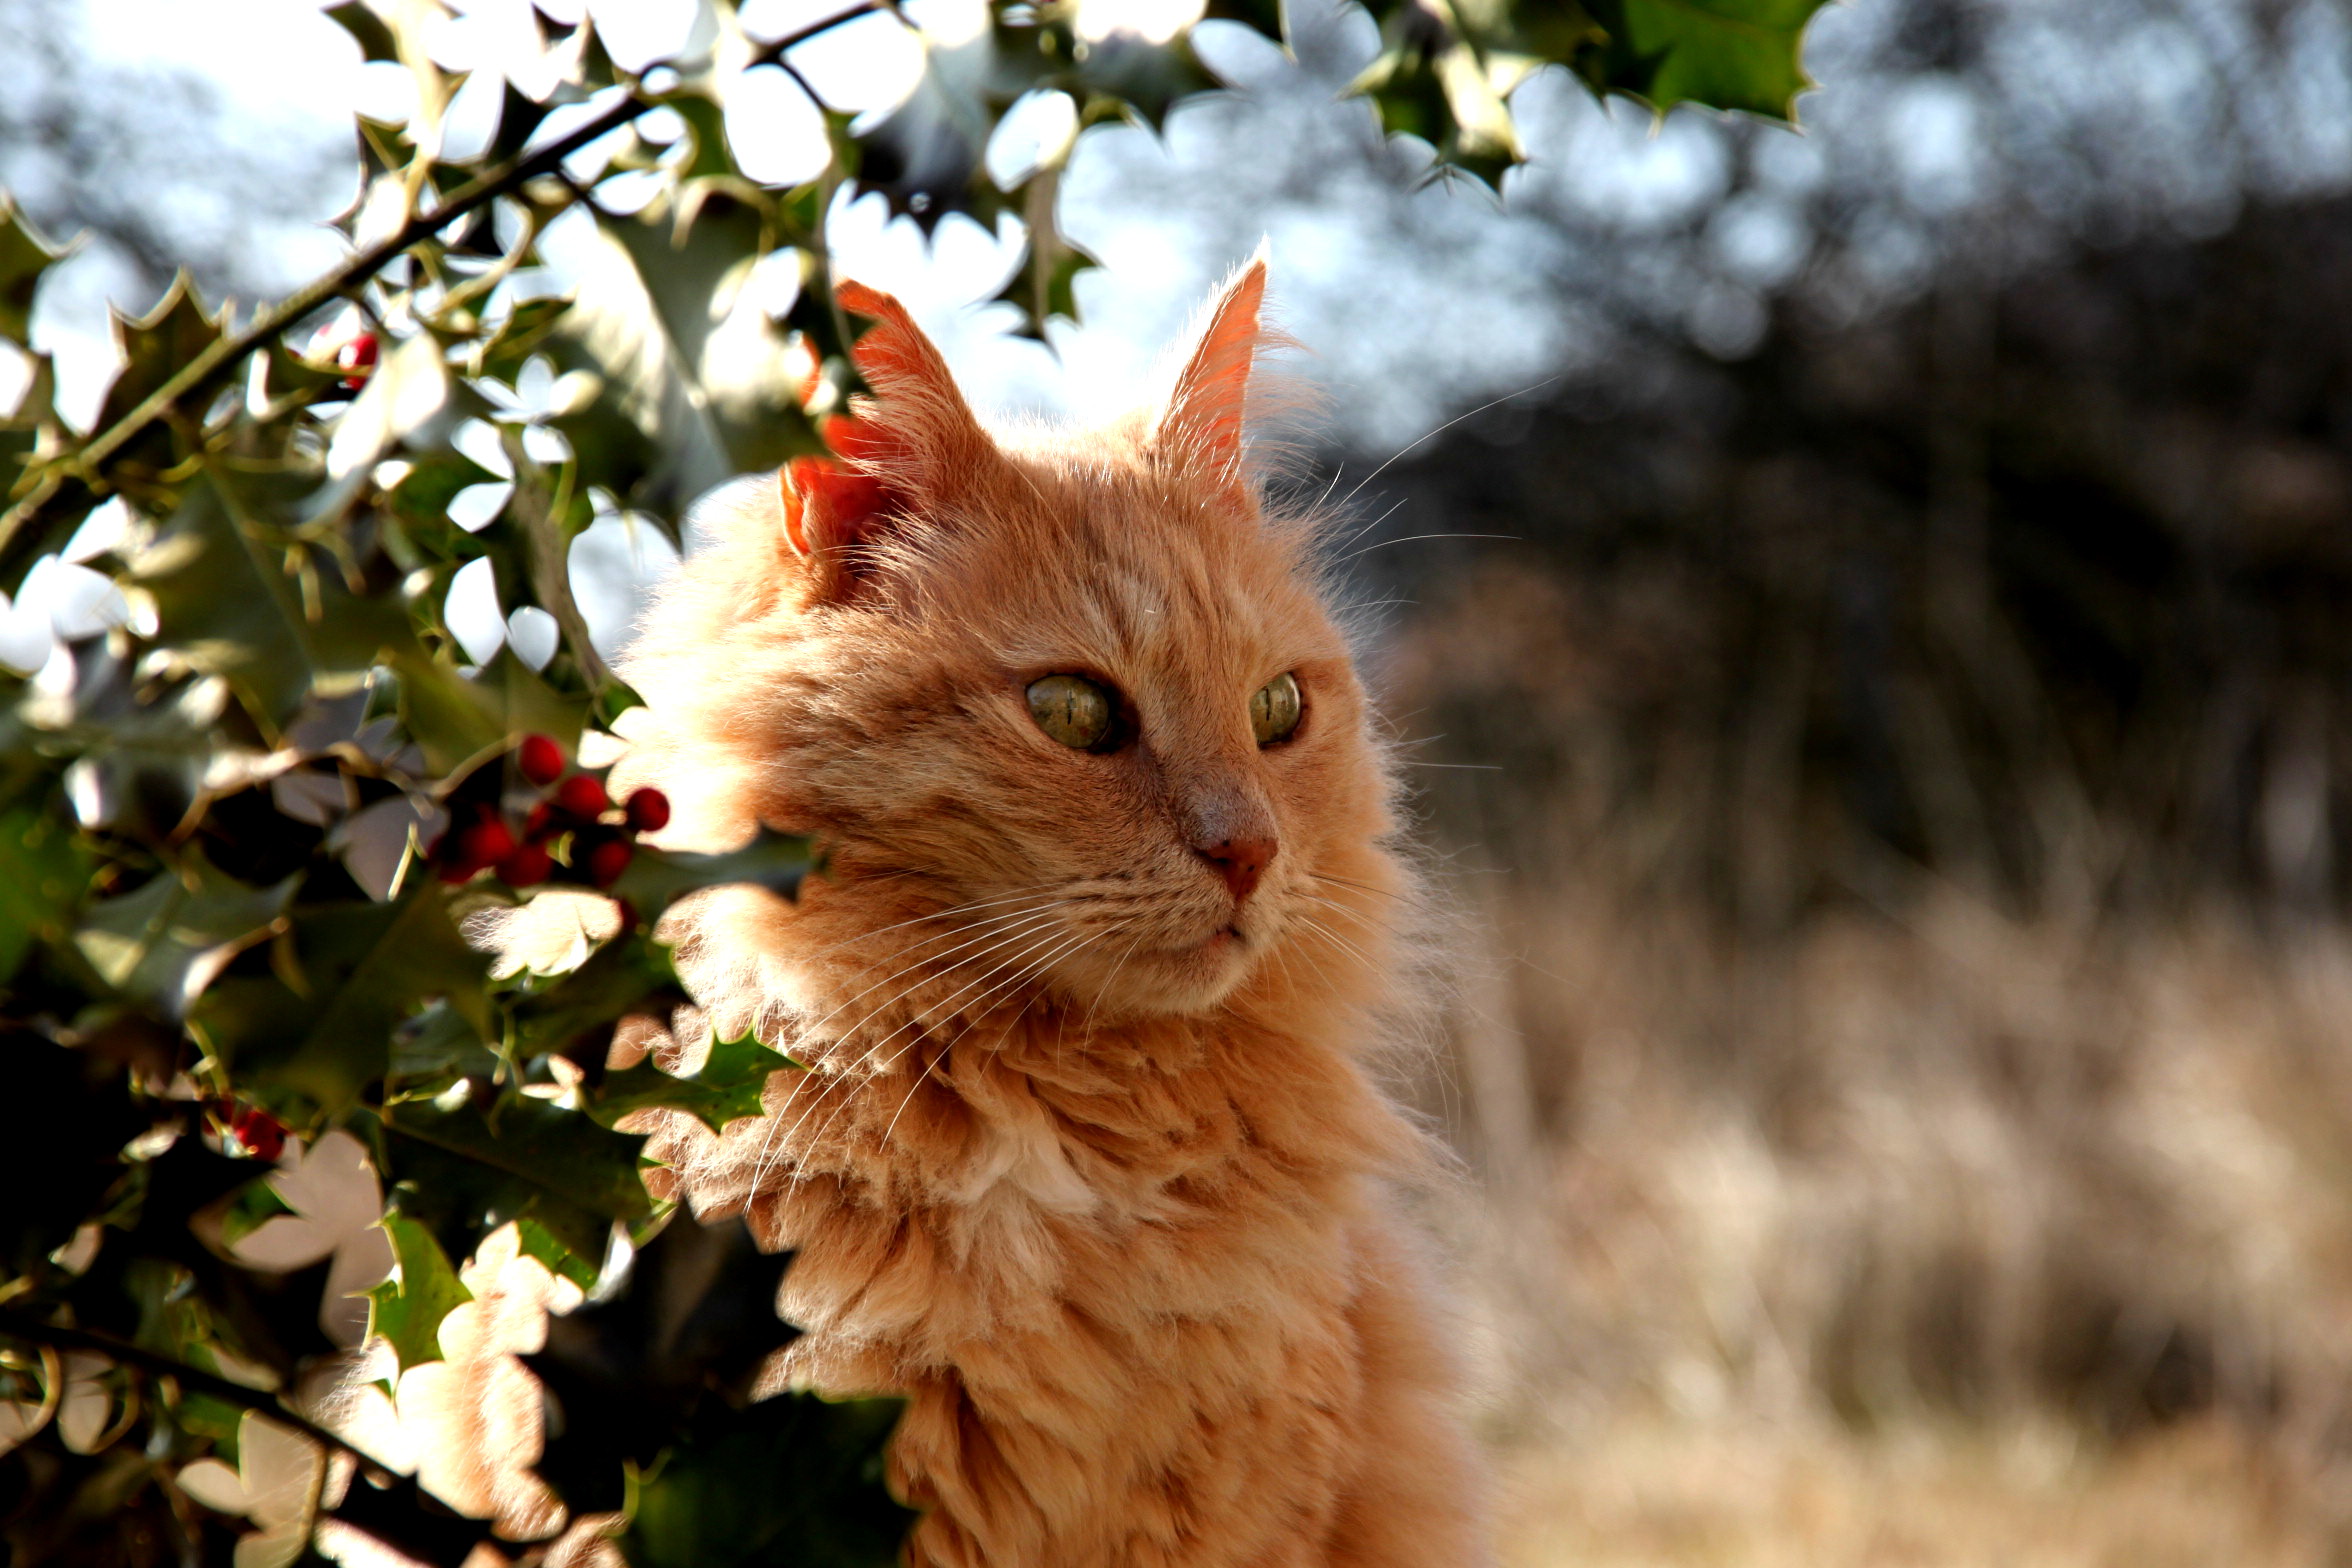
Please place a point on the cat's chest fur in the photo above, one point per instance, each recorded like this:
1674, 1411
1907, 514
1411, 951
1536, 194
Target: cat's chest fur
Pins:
1017, 1184
1129, 1275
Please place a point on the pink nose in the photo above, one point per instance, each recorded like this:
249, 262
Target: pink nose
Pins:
1240, 861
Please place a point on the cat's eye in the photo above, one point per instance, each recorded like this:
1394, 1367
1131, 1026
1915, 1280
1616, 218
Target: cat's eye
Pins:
1274, 709
1080, 713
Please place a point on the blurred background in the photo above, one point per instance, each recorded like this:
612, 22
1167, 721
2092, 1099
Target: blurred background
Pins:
1890, 779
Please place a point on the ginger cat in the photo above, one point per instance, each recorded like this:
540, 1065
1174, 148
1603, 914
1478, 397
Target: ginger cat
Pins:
1088, 1164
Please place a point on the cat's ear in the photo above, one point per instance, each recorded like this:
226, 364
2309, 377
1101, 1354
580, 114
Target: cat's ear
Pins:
913, 446
1207, 409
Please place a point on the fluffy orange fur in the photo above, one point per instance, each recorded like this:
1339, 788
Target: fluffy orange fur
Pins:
1089, 1162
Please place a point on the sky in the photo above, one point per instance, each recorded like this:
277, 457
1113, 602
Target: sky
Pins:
294, 80
2066, 122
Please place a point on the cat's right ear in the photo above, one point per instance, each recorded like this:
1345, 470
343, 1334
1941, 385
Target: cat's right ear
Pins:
1204, 420
909, 450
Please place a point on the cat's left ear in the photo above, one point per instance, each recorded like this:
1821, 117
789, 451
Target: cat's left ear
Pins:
1208, 409
913, 448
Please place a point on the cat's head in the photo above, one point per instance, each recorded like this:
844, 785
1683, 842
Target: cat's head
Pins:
1077, 688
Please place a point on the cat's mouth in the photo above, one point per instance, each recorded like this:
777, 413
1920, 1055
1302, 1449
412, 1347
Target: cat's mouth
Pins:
1215, 944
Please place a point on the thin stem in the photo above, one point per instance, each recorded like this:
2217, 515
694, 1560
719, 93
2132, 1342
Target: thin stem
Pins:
15, 1325
226, 352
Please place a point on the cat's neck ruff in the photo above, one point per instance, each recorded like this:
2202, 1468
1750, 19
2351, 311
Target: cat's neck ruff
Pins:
948, 1093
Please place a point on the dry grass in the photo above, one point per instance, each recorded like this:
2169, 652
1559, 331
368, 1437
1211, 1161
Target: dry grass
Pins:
1922, 1236
1658, 1495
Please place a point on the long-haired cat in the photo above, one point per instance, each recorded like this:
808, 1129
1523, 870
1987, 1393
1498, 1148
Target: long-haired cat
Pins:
1088, 1163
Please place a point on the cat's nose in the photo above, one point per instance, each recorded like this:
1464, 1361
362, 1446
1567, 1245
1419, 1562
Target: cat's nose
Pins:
1240, 860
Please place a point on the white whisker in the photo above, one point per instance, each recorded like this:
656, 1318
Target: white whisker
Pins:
994, 925
1402, 451
1413, 538
1034, 969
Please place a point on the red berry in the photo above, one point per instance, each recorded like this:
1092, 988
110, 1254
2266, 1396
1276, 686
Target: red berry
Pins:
649, 810
357, 360
486, 843
581, 796
540, 759
528, 866
540, 824
262, 1134
606, 859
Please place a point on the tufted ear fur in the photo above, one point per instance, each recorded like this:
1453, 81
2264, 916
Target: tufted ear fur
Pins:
1209, 406
910, 449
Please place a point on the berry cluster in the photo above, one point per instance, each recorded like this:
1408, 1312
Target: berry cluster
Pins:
572, 820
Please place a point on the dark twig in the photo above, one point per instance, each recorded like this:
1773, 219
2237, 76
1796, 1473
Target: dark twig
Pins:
15, 1325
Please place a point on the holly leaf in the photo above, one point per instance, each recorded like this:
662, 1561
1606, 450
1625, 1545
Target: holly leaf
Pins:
518, 117
658, 878
1446, 71
44, 871
627, 974
726, 1087
249, 1208
224, 603
457, 720
521, 334
467, 1170
794, 1479
924, 156
697, 383
411, 402
406, 1310
367, 29
692, 1324
1046, 284
156, 346
24, 256
32, 432
537, 1241
162, 944
1432, 82
323, 1026
1724, 54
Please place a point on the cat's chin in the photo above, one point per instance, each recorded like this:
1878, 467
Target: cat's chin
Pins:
1166, 982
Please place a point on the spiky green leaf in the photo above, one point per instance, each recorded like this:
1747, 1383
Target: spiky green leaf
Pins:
724, 1088
406, 1310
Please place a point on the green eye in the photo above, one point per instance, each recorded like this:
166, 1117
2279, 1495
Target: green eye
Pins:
1274, 710
1074, 710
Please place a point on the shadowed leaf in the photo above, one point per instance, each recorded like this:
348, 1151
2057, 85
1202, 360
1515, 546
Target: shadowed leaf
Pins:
628, 974
24, 256
692, 1325
367, 29
466, 1171
696, 383
156, 346
794, 1479
363, 969
44, 871
162, 945
410, 1520
657, 878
